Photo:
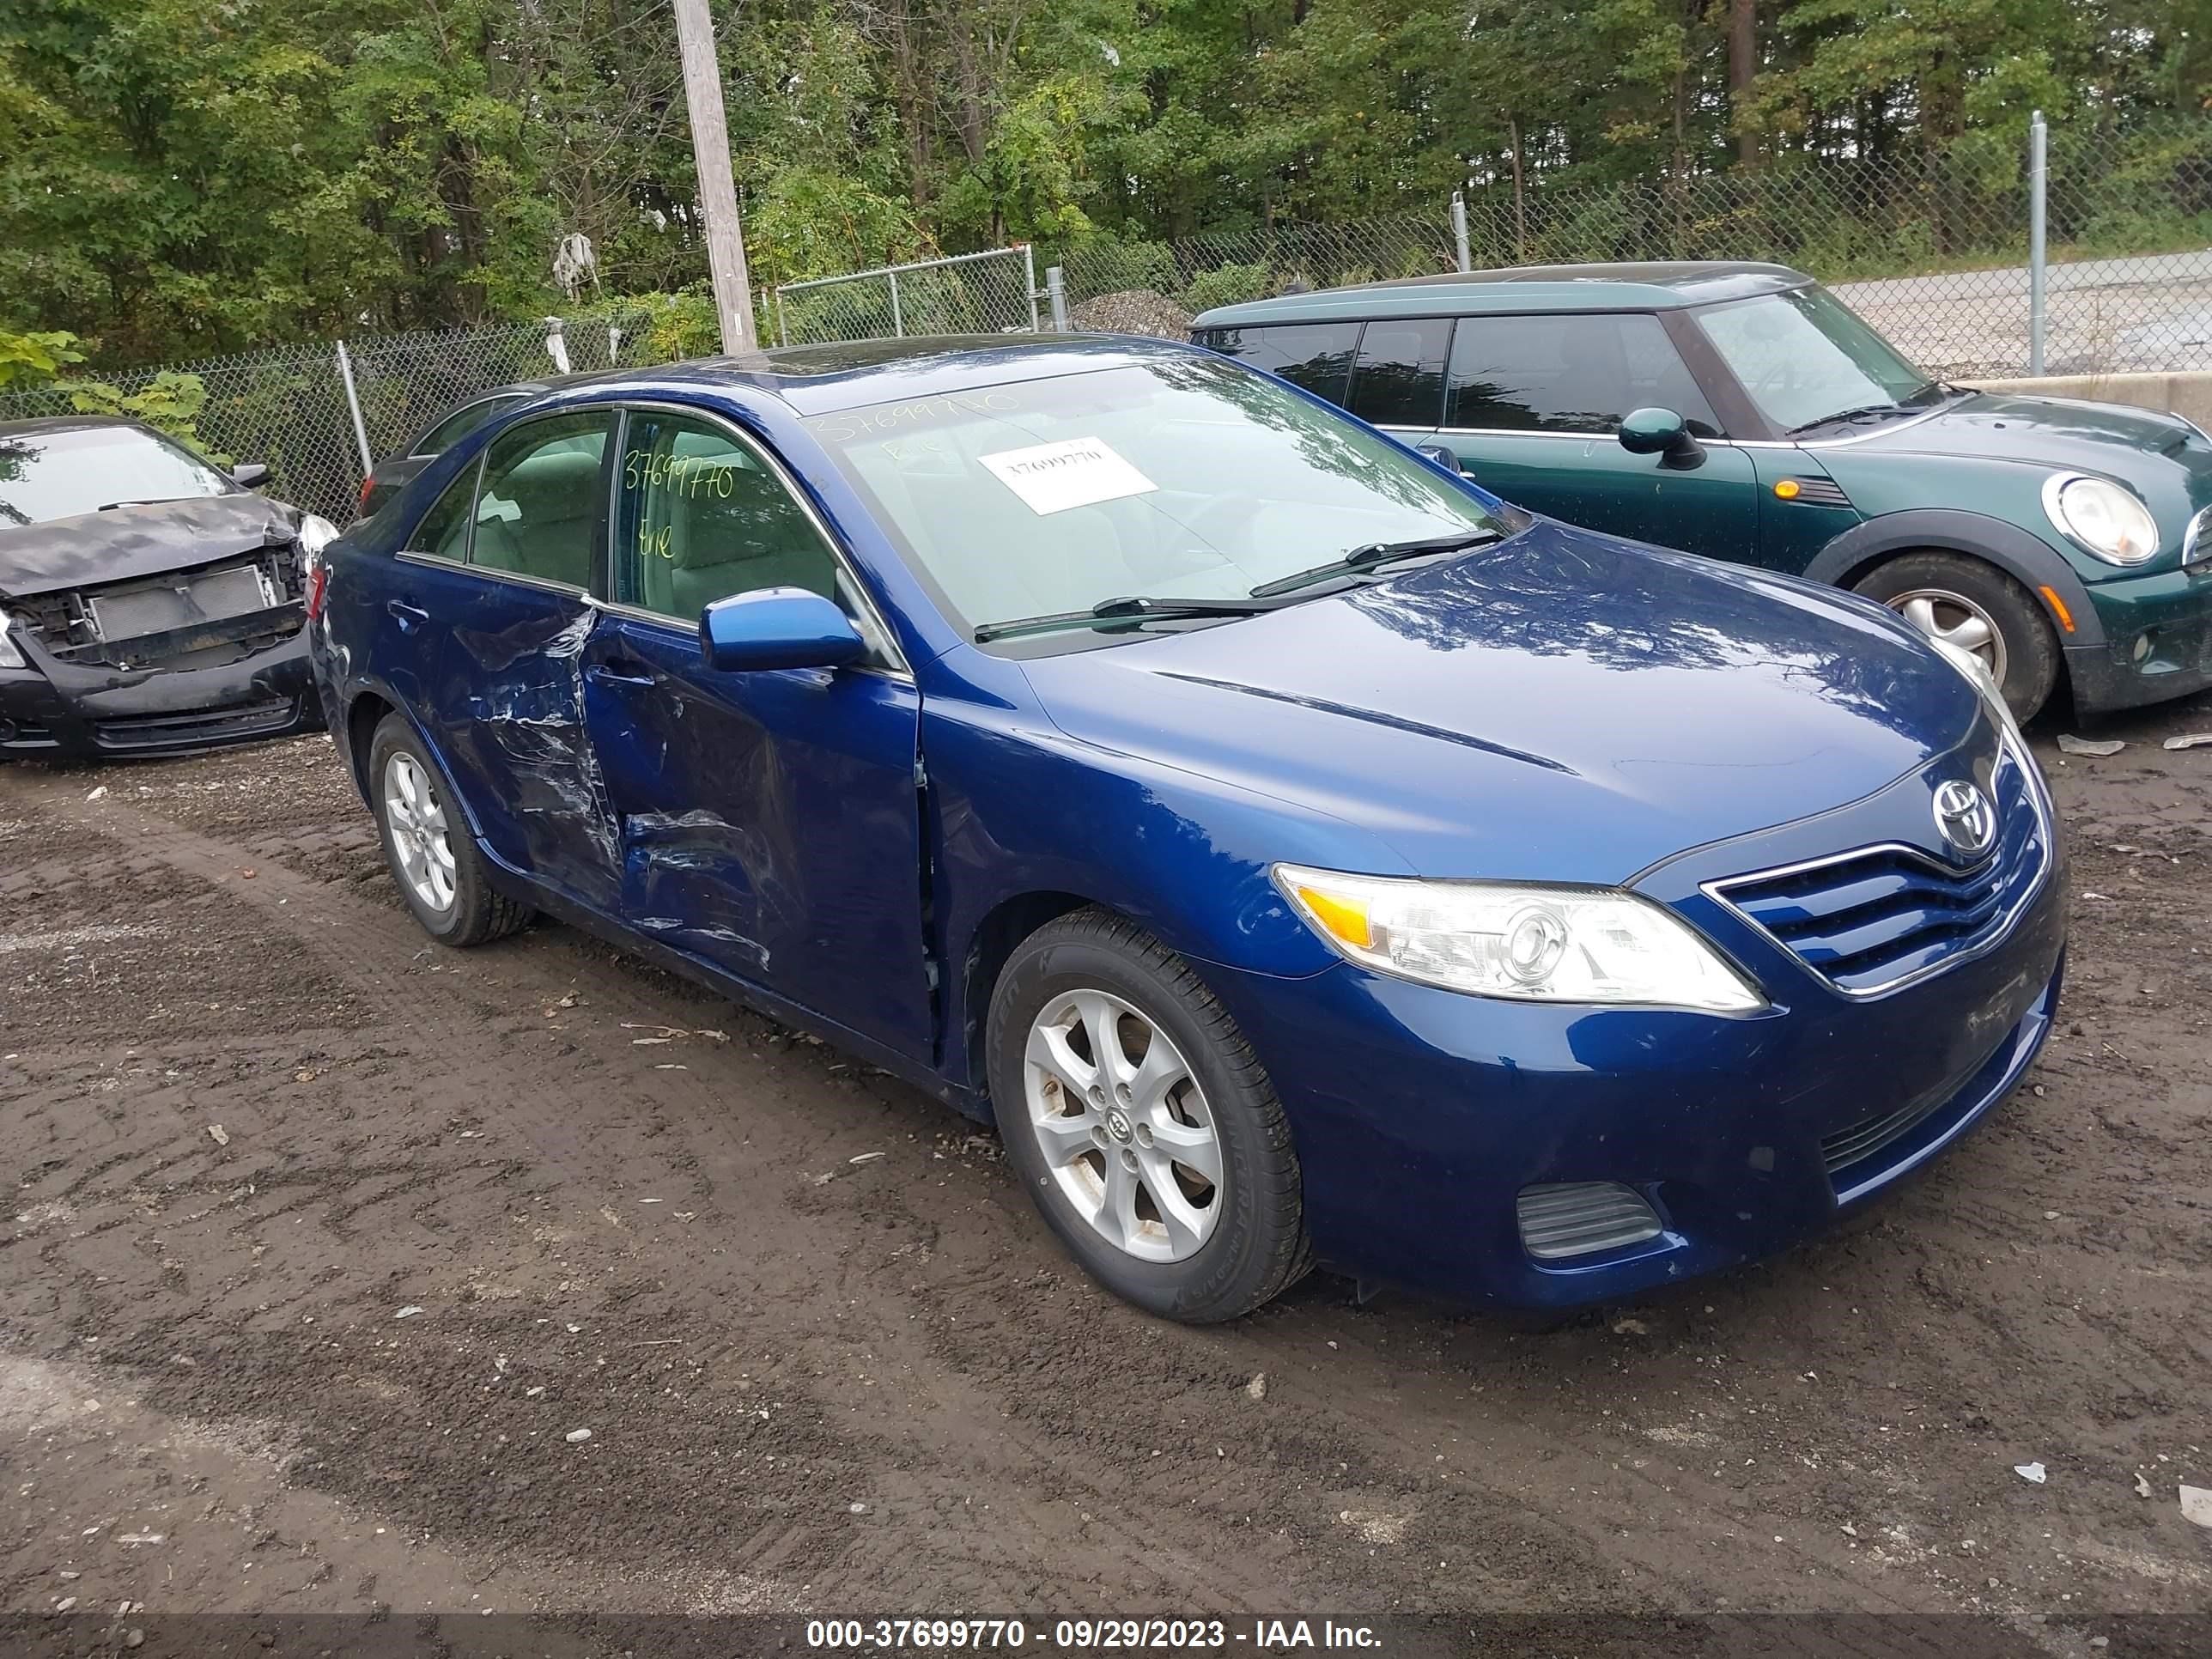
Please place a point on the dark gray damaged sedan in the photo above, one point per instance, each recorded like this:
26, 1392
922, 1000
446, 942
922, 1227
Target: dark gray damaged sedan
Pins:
150, 603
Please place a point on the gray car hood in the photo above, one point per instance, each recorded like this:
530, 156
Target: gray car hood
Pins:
96, 548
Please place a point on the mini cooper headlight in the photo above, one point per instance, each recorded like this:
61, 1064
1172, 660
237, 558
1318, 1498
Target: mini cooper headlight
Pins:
2101, 517
1534, 944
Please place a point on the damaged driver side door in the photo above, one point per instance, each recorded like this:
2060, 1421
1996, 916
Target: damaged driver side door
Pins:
509, 693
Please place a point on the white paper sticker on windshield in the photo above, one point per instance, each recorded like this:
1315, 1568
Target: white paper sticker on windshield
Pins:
1074, 472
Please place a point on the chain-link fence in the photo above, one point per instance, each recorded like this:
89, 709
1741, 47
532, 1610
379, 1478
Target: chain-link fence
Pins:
993, 292
1934, 250
287, 407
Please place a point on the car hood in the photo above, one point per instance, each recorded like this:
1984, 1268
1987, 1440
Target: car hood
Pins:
1563, 707
2140, 446
95, 548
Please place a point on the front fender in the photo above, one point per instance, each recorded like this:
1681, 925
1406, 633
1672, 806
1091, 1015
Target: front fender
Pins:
2023, 555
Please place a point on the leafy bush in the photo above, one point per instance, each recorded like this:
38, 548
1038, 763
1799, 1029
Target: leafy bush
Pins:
27, 361
169, 403
1228, 285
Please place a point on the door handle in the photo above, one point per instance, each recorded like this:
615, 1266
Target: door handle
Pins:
620, 673
409, 617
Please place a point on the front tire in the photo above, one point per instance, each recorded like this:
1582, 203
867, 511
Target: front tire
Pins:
1142, 1123
1974, 605
434, 859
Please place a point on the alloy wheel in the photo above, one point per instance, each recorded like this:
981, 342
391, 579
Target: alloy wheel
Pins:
1123, 1125
1956, 620
420, 840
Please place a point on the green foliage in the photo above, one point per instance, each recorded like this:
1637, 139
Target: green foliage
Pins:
186, 177
169, 402
29, 361
1228, 285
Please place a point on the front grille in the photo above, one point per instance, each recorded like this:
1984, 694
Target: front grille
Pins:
1871, 920
1581, 1218
164, 731
2196, 544
144, 621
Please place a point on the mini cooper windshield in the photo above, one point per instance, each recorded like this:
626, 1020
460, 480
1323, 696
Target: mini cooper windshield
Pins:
1807, 361
1173, 491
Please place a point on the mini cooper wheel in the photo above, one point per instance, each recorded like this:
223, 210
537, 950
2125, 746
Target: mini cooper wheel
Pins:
1976, 607
426, 842
1142, 1123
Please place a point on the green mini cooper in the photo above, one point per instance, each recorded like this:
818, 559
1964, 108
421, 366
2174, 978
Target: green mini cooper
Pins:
1743, 412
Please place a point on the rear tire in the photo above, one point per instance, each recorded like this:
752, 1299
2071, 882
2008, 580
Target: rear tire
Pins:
1167, 1172
432, 857
1978, 606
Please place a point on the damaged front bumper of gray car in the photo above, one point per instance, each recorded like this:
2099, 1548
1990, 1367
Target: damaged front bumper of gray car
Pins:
166, 664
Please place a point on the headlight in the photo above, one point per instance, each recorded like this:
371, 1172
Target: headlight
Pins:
11, 655
1534, 944
2101, 517
316, 533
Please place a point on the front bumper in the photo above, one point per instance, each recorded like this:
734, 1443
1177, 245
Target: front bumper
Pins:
56, 711
2157, 643
1421, 1115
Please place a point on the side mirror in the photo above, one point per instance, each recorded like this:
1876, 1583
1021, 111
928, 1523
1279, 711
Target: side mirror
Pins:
777, 628
250, 476
1662, 432
1442, 456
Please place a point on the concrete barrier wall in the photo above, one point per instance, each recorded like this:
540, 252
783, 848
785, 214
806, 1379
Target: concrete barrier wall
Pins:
2187, 393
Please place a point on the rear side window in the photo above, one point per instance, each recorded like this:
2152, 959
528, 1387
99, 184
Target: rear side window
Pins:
538, 513
1570, 373
459, 424
1398, 379
1315, 356
443, 532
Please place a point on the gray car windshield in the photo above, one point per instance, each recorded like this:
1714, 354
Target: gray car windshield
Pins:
1806, 359
60, 474
1182, 480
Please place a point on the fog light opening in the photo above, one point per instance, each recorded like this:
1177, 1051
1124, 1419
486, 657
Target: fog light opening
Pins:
1583, 1218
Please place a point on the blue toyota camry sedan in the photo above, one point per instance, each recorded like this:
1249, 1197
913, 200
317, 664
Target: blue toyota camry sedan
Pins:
1299, 853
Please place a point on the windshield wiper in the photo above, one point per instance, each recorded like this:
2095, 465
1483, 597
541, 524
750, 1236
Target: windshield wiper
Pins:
1863, 412
143, 501
1373, 556
1132, 608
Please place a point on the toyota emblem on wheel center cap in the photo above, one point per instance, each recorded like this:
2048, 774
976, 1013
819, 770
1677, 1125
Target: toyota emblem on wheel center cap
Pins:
1118, 1125
1965, 817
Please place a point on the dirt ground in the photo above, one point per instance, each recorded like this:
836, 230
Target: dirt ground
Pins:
325, 1245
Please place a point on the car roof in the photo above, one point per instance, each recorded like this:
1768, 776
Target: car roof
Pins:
1649, 285
820, 380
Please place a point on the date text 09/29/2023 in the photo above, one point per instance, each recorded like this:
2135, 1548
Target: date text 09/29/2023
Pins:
1085, 1635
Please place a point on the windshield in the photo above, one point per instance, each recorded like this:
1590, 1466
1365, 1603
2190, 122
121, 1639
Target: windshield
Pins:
1806, 359
60, 474
1184, 479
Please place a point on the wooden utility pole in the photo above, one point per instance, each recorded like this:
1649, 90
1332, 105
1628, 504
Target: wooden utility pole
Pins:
718, 191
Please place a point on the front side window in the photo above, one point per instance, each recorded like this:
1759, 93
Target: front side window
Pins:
538, 513
1180, 478
1806, 359
1315, 356
1399, 378
703, 516
69, 470
1569, 374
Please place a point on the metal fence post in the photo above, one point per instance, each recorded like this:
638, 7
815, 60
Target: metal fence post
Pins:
899, 323
2039, 153
782, 328
1055, 285
1459, 228
1029, 284
353, 403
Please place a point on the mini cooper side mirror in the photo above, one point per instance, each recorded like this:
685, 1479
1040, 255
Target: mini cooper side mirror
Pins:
249, 475
1442, 456
777, 628
1662, 432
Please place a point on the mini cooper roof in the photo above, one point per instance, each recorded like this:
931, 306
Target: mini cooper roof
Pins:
1647, 286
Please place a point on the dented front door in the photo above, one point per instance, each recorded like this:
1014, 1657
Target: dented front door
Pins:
510, 695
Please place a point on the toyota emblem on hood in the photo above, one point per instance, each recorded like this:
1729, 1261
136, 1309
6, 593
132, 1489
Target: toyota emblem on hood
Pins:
1966, 819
